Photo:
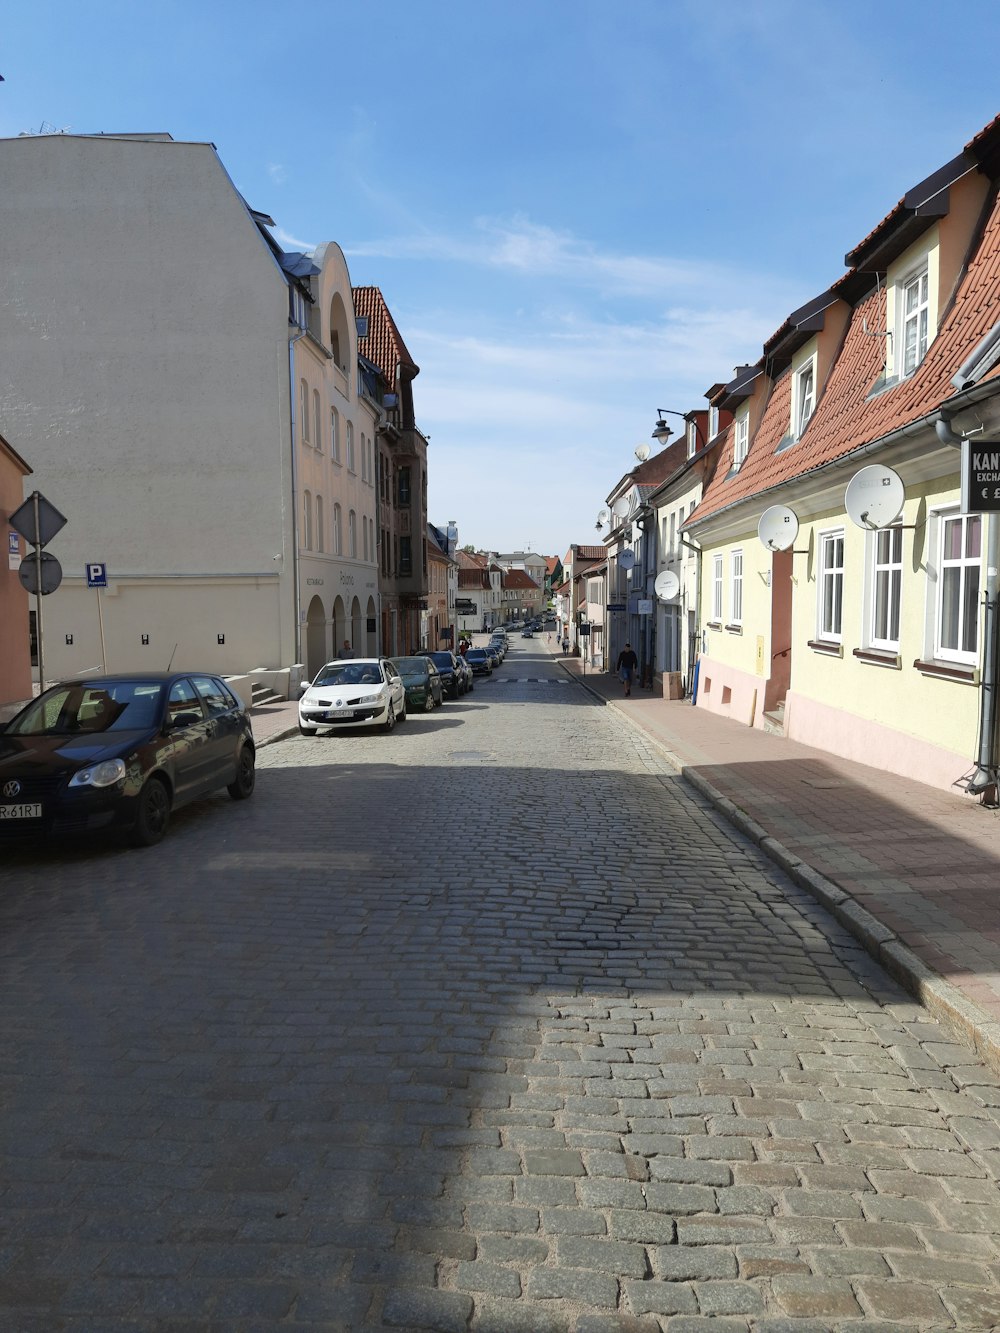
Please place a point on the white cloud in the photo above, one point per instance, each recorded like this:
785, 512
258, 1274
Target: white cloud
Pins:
277, 173
291, 243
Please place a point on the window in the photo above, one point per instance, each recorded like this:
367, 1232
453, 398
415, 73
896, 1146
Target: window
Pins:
317, 421
320, 542
958, 598
913, 321
351, 465
405, 557
713, 422
404, 485
304, 410
334, 434
352, 534
717, 589
886, 588
804, 390
741, 439
692, 439
673, 536
307, 521
736, 588
831, 585
338, 531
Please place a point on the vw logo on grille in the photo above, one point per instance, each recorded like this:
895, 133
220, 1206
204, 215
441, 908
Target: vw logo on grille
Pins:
11, 789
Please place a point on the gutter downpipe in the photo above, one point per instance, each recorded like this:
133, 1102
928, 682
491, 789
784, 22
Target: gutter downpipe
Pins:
987, 772
295, 494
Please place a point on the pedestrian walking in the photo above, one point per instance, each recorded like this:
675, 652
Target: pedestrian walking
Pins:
627, 666
565, 644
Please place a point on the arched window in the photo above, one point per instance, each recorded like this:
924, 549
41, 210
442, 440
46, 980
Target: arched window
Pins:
307, 521
334, 434
304, 410
340, 339
320, 540
351, 465
371, 463
338, 531
352, 534
317, 421
364, 536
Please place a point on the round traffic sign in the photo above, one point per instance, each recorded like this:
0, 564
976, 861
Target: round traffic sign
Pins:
51, 572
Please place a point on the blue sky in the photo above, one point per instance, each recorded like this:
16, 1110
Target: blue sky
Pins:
578, 212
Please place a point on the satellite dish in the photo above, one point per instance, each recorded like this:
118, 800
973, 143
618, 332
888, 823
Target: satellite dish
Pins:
642, 452
874, 496
602, 518
667, 585
778, 528
620, 507
626, 559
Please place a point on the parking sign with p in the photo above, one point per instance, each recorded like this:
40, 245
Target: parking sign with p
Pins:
97, 576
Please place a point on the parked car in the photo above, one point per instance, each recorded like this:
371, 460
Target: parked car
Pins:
122, 752
422, 682
498, 646
494, 654
480, 661
527, 634
466, 672
452, 675
349, 693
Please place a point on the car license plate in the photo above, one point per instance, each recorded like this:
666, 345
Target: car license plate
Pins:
341, 712
24, 811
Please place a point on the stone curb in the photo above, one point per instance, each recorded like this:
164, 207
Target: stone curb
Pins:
967, 1020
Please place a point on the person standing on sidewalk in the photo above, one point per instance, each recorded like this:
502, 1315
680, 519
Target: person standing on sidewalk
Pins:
627, 666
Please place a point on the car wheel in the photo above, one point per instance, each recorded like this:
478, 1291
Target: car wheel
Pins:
390, 717
153, 814
306, 731
401, 715
246, 775
429, 702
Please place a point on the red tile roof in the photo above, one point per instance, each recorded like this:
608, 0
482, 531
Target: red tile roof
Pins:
845, 417
519, 578
383, 345
591, 552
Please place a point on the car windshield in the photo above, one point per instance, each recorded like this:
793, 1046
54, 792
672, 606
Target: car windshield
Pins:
477, 653
349, 673
412, 668
442, 660
121, 705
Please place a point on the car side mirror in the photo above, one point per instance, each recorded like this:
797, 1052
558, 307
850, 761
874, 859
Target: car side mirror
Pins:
303, 686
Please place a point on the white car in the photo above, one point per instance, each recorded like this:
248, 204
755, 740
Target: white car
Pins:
353, 692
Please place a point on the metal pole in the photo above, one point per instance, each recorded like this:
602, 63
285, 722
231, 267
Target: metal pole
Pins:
38, 595
100, 620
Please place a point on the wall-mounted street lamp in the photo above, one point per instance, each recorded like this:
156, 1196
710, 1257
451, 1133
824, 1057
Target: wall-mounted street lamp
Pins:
662, 432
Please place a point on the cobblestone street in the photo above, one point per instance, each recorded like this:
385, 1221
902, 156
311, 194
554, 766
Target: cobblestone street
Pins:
385, 1048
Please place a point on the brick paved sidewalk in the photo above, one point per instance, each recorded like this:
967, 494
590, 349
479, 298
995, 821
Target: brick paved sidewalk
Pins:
912, 871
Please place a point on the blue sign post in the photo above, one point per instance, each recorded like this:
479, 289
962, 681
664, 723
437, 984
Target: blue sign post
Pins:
97, 577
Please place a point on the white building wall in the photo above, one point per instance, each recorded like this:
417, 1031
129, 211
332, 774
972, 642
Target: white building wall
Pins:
144, 346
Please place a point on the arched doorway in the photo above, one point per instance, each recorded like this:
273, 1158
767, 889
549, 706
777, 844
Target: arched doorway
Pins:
315, 637
340, 630
372, 633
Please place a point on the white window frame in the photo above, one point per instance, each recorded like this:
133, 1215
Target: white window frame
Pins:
713, 422
692, 439
885, 588
716, 590
338, 530
304, 411
741, 438
969, 571
317, 422
334, 434
736, 587
830, 586
352, 534
320, 537
307, 520
916, 319
351, 462
804, 389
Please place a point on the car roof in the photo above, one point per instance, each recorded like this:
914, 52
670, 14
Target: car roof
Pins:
155, 677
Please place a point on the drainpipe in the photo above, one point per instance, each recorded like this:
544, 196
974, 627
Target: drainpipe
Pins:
292, 401
987, 772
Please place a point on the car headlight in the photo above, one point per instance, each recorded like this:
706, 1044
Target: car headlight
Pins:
371, 698
104, 774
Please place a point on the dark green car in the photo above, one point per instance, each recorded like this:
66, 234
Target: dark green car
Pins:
421, 681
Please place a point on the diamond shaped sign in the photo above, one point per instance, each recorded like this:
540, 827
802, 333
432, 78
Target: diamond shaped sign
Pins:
49, 520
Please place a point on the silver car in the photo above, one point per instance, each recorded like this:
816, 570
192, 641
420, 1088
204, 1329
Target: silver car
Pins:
350, 693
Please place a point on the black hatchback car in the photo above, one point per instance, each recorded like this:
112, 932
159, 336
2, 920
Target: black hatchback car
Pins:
122, 751
452, 676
